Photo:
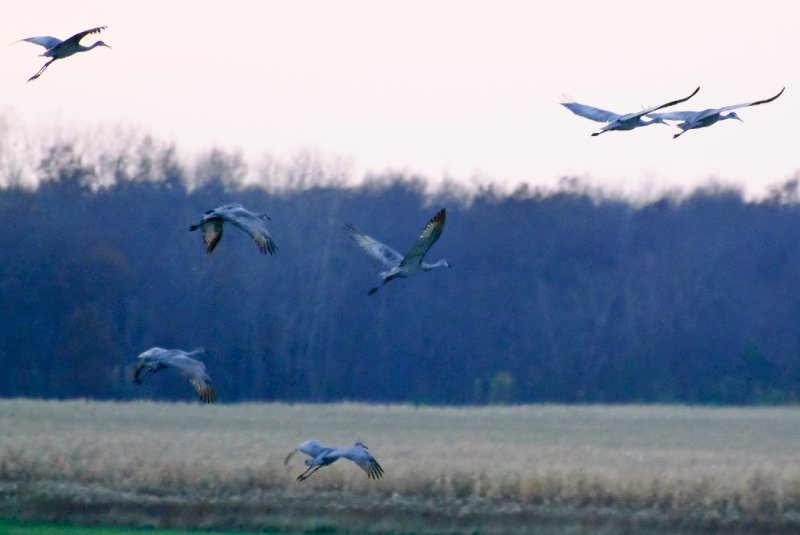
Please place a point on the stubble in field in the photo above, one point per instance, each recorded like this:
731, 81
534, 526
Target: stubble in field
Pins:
493, 469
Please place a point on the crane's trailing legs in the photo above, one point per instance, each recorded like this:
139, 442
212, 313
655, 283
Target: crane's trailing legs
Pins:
38, 74
375, 289
305, 475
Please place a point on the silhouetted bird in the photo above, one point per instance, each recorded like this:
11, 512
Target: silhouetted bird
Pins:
702, 119
253, 224
616, 121
321, 455
58, 49
156, 359
396, 264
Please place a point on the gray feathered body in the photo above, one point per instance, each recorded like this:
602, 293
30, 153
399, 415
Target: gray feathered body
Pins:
396, 265
618, 121
253, 224
57, 49
691, 120
156, 359
321, 455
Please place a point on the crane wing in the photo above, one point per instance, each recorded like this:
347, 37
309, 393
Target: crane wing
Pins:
204, 390
195, 372
212, 233
674, 115
312, 448
654, 108
143, 370
251, 223
75, 39
363, 460
137, 376
589, 112
47, 41
746, 104
429, 235
385, 255
149, 362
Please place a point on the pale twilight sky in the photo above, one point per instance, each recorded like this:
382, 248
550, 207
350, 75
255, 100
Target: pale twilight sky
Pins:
458, 88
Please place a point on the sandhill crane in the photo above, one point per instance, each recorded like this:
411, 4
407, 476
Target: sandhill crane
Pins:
156, 359
253, 224
616, 121
396, 264
322, 455
57, 49
701, 119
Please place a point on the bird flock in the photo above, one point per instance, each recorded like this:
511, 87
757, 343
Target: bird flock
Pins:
194, 371
393, 263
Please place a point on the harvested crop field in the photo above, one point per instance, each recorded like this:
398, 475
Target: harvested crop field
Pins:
541, 468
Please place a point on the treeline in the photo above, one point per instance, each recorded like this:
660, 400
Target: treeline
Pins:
565, 297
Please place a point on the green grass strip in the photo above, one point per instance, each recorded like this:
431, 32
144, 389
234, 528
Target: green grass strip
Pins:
11, 527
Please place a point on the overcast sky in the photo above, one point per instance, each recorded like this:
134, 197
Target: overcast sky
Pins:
445, 88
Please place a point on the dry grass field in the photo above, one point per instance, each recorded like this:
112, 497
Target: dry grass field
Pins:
528, 469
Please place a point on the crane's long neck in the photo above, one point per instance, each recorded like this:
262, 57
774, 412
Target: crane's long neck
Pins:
82, 48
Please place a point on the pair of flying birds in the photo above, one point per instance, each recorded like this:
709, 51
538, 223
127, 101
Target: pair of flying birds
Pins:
395, 265
687, 120
156, 359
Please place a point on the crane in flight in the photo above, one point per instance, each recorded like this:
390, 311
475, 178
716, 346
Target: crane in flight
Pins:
395, 264
156, 359
57, 49
321, 455
701, 119
616, 121
238, 215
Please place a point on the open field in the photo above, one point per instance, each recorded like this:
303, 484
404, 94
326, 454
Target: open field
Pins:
555, 469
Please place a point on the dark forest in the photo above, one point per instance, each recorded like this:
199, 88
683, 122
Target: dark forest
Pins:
561, 296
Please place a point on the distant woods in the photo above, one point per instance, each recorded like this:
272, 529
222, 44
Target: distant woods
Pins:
567, 296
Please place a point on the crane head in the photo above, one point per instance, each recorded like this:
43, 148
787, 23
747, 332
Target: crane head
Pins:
100, 43
733, 115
